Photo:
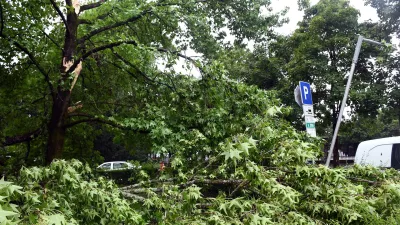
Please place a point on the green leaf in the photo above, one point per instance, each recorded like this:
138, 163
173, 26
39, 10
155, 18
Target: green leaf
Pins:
233, 154
56, 219
5, 213
244, 147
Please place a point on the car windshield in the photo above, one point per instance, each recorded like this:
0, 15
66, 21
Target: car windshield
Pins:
106, 166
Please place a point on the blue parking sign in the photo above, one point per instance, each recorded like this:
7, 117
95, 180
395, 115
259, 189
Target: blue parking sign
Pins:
305, 90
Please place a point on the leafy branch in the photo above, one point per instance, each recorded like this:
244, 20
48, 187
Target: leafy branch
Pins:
55, 6
87, 54
115, 25
125, 61
129, 20
26, 51
91, 118
36, 63
91, 6
52, 40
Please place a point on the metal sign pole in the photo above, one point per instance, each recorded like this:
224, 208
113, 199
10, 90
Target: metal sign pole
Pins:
346, 93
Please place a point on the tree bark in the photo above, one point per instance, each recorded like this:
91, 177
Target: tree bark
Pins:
56, 137
336, 161
56, 129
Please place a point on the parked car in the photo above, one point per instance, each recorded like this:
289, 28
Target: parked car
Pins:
116, 165
383, 152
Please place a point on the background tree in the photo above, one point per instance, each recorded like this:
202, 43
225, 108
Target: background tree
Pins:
389, 14
394, 90
320, 51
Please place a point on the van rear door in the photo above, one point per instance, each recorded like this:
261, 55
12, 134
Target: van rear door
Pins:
379, 156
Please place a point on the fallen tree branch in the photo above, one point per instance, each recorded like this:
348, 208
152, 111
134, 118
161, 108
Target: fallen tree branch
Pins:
144, 183
259, 193
240, 186
364, 180
133, 196
135, 190
144, 190
210, 181
130, 42
204, 205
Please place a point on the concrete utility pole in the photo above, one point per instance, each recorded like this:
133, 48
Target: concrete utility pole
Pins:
346, 92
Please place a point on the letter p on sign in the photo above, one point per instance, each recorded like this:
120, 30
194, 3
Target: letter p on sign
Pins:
305, 89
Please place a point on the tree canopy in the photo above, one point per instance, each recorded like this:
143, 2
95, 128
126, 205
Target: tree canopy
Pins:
72, 62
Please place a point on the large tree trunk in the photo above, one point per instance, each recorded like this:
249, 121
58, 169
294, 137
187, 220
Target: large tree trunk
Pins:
55, 144
56, 139
336, 160
61, 100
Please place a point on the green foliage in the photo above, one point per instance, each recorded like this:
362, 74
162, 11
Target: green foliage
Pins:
64, 193
8, 210
254, 171
361, 128
389, 14
121, 176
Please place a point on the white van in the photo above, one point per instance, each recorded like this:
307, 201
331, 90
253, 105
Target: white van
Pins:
383, 152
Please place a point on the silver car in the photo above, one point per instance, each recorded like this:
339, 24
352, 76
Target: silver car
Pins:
116, 165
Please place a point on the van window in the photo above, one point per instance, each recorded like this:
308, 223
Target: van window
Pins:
396, 156
117, 166
379, 156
